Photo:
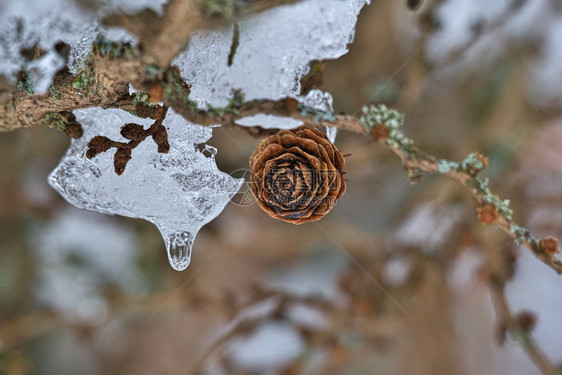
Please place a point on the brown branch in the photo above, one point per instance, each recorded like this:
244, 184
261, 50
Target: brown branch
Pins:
415, 161
519, 327
136, 134
246, 325
430, 164
165, 37
108, 75
104, 81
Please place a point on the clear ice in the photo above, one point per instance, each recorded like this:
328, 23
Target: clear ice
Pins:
275, 49
183, 190
321, 101
315, 99
179, 191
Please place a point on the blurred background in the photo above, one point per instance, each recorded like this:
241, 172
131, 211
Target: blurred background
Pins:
392, 281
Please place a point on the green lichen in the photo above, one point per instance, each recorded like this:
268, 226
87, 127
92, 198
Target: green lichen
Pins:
381, 114
55, 121
413, 175
446, 166
233, 106
54, 92
215, 111
502, 206
104, 47
142, 98
223, 9
237, 99
473, 163
324, 117
143, 106
317, 115
521, 234
174, 86
24, 82
481, 187
85, 78
65, 122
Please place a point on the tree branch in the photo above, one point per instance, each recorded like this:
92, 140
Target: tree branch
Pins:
519, 328
104, 81
385, 128
165, 37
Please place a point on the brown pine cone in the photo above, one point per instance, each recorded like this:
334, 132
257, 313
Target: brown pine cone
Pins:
297, 175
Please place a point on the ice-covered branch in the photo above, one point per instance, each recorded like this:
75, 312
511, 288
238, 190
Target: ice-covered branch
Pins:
105, 77
104, 82
164, 37
384, 125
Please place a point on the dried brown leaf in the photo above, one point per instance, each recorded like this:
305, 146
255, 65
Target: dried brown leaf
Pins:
160, 136
97, 145
133, 132
122, 156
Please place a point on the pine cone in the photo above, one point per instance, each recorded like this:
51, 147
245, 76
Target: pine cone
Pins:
297, 175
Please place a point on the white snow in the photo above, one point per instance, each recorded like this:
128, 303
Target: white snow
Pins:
47, 22
275, 49
271, 346
269, 121
78, 254
317, 275
315, 99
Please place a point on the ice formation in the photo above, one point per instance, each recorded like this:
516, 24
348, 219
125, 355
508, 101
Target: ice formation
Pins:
51, 22
315, 99
179, 191
321, 101
183, 190
275, 49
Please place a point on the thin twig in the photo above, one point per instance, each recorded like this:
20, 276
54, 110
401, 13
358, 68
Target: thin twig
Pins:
507, 321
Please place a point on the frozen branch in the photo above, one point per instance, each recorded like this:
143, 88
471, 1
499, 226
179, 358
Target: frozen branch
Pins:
165, 37
104, 82
105, 77
385, 127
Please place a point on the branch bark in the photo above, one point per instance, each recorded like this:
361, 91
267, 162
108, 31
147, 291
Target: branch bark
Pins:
105, 80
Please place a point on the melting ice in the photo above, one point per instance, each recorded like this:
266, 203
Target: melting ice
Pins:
179, 191
183, 190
